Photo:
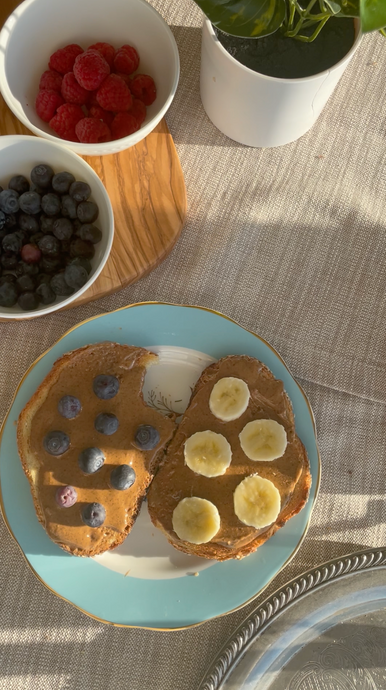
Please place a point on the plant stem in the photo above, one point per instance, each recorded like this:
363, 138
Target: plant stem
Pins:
306, 19
309, 39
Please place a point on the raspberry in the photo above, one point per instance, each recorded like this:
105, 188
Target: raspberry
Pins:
72, 92
63, 59
126, 60
63, 123
50, 81
47, 103
100, 114
91, 69
123, 125
126, 78
106, 50
143, 87
138, 109
114, 94
92, 99
92, 131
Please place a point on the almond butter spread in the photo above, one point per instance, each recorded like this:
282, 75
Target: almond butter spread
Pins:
128, 366
175, 481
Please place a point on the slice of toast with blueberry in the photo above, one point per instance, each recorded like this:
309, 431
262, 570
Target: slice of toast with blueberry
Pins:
90, 446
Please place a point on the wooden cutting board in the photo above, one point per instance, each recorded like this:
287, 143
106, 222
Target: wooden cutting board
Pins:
147, 191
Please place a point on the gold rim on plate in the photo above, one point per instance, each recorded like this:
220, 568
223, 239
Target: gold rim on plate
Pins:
237, 608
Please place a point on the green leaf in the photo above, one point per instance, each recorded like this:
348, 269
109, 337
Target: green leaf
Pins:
349, 8
245, 18
333, 6
373, 14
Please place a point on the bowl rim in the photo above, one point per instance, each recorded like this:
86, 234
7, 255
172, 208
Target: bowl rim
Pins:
79, 147
97, 188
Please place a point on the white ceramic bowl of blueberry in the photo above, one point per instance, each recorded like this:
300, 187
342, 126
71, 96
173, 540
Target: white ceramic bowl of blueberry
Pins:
35, 273
37, 28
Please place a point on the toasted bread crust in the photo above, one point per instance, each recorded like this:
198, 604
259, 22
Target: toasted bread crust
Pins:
31, 467
213, 549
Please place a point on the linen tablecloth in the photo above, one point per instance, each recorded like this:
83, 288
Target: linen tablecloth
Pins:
290, 242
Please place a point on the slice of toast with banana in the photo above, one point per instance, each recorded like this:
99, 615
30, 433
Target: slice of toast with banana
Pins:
235, 470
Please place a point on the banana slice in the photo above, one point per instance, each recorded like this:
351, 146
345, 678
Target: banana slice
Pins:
196, 520
207, 453
229, 398
256, 501
263, 439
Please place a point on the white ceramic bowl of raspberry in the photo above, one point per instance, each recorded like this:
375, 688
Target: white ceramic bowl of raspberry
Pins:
18, 156
37, 28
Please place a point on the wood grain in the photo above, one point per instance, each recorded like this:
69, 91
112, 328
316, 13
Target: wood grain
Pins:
147, 191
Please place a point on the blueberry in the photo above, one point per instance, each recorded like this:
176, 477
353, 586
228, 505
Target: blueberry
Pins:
59, 285
28, 301
45, 294
7, 278
26, 283
22, 235
87, 211
12, 243
75, 276
19, 184
93, 515
43, 279
9, 261
28, 223
69, 407
49, 265
30, 202
81, 248
49, 246
80, 191
122, 477
46, 224
63, 228
28, 269
17, 271
105, 386
10, 220
35, 238
61, 182
51, 204
38, 190
106, 423
66, 496
56, 442
69, 207
65, 247
90, 233
41, 175
9, 201
79, 261
91, 460
2, 220
146, 437
8, 294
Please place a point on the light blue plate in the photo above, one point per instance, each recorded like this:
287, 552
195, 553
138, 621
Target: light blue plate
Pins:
153, 603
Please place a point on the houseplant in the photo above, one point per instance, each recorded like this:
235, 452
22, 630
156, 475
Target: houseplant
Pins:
271, 109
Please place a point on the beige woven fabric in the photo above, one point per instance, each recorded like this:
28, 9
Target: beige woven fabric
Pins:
291, 243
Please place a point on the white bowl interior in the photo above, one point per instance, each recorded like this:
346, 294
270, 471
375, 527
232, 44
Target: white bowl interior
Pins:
39, 27
18, 155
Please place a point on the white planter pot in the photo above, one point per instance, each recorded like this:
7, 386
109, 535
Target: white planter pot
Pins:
257, 110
